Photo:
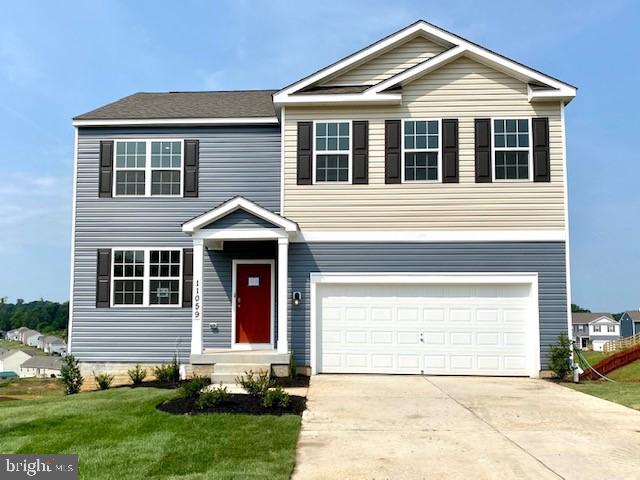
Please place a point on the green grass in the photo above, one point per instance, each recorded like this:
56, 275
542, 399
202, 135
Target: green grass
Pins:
11, 345
627, 394
30, 388
592, 356
119, 434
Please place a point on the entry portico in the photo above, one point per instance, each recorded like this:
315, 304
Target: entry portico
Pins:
246, 234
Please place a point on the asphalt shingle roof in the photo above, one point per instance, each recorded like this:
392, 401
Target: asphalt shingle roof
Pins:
634, 314
580, 318
40, 361
146, 105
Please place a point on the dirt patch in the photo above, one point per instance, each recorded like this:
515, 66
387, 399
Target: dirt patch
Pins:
298, 381
237, 403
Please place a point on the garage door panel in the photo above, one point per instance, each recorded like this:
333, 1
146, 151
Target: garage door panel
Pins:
431, 329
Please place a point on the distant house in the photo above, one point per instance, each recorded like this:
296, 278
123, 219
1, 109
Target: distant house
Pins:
21, 331
630, 323
593, 330
54, 345
41, 366
12, 360
30, 338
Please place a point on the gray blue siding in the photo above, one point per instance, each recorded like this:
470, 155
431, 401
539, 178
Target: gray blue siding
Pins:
233, 161
546, 258
240, 219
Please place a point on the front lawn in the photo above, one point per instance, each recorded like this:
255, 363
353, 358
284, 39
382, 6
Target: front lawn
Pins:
591, 356
119, 434
30, 388
627, 394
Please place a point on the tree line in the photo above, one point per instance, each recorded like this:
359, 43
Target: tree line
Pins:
41, 315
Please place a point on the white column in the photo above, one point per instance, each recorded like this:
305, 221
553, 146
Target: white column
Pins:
283, 295
196, 315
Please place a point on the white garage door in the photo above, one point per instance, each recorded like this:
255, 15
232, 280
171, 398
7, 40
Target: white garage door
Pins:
431, 329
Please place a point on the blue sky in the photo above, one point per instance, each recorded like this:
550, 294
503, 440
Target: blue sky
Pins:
62, 58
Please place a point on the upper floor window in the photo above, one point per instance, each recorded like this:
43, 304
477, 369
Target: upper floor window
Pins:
146, 277
597, 328
421, 142
512, 149
611, 328
332, 152
148, 168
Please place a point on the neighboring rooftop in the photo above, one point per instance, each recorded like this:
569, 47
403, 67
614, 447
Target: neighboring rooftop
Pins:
52, 363
580, 317
173, 105
634, 314
8, 353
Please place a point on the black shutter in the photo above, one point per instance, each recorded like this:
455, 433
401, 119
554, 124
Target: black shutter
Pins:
191, 161
305, 152
392, 161
360, 152
541, 161
483, 150
450, 150
106, 169
103, 278
187, 276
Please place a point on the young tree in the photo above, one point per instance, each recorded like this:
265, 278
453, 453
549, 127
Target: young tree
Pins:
70, 375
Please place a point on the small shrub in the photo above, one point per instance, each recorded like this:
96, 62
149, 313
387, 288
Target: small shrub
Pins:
276, 397
254, 384
70, 375
168, 373
193, 387
560, 357
103, 380
137, 375
293, 366
213, 398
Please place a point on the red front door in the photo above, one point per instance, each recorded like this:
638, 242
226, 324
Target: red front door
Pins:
253, 303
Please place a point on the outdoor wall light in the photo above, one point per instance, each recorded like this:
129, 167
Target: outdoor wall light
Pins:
297, 296
213, 326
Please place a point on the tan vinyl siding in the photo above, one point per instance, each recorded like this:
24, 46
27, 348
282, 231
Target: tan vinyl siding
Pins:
388, 64
466, 90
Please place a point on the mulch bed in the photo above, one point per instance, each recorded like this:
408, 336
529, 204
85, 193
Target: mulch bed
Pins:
238, 403
298, 381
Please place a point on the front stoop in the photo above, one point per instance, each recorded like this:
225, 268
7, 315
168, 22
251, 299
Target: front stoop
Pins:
225, 366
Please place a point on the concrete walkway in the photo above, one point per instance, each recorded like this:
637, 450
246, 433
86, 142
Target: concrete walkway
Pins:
412, 427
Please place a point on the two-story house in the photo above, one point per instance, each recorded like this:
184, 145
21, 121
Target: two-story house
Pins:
403, 210
593, 330
630, 323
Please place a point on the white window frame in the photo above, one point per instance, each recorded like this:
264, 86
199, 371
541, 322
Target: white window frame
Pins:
597, 328
511, 149
332, 152
147, 167
611, 328
146, 279
404, 150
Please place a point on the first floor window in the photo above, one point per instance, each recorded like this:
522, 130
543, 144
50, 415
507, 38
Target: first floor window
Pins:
150, 277
332, 151
128, 277
164, 273
148, 168
512, 149
421, 149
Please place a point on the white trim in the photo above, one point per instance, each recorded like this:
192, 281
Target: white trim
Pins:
376, 236
283, 295
146, 278
382, 278
234, 276
73, 238
567, 256
176, 121
404, 150
148, 169
232, 205
332, 152
460, 46
495, 149
282, 159
349, 99
240, 234
197, 302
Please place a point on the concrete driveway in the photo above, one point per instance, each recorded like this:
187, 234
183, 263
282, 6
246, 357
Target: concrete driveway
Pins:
401, 427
